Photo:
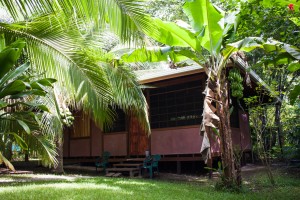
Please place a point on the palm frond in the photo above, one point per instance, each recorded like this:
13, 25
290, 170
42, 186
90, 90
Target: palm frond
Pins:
6, 162
124, 17
128, 94
44, 144
57, 52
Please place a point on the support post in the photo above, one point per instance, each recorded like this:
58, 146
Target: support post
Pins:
178, 167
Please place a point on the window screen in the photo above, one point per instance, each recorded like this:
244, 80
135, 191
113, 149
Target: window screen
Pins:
177, 105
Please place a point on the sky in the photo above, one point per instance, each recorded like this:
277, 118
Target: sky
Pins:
4, 16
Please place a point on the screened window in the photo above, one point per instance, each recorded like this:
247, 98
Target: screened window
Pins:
119, 123
177, 105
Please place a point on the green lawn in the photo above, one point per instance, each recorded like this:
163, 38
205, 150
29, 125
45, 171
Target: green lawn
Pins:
123, 188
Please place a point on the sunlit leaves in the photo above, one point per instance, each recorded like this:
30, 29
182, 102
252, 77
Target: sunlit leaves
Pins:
207, 23
294, 66
171, 34
124, 17
294, 94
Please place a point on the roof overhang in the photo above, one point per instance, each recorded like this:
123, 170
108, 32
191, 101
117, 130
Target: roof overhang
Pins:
243, 65
165, 73
154, 75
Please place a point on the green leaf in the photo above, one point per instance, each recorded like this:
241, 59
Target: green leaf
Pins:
46, 81
2, 42
273, 45
43, 108
28, 93
247, 44
189, 54
294, 67
14, 73
283, 58
2, 104
20, 141
250, 43
294, 94
207, 22
40, 106
42, 83
24, 126
176, 57
37, 86
155, 54
10, 55
296, 20
171, 34
294, 51
12, 88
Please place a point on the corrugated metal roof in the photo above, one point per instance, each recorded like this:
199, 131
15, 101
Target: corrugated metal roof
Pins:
152, 75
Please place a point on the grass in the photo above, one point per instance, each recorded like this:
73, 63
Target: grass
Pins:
258, 187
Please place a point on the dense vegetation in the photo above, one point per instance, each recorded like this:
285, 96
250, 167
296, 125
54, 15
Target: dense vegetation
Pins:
90, 77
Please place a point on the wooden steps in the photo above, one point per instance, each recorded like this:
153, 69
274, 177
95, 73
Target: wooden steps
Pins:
132, 171
128, 165
113, 175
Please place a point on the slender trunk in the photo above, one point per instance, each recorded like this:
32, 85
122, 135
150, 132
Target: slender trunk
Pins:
26, 158
267, 163
2, 146
281, 79
59, 140
8, 149
238, 173
259, 128
225, 130
263, 117
278, 126
59, 168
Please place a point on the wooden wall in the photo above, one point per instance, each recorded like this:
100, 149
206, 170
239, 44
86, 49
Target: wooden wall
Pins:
133, 142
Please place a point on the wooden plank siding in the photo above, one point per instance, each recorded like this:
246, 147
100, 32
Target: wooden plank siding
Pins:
181, 142
138, 139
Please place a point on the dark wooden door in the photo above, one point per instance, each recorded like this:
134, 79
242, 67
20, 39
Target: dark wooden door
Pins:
138, 139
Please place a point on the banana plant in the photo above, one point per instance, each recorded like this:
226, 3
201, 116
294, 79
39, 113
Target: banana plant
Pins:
206, 41
19, 111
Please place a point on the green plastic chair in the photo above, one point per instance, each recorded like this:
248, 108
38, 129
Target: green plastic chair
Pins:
102, 162
151, 164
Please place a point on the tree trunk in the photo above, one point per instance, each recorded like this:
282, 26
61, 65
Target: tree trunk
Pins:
8, 150
26, 158
59, 168
225, 130
216, 115
263, 116
278, 126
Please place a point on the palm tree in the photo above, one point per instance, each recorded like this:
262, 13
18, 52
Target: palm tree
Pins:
57, 34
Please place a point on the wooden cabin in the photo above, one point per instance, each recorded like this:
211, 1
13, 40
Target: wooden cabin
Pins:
175, 109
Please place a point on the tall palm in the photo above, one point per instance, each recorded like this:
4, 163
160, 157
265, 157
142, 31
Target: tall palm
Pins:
56, 50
